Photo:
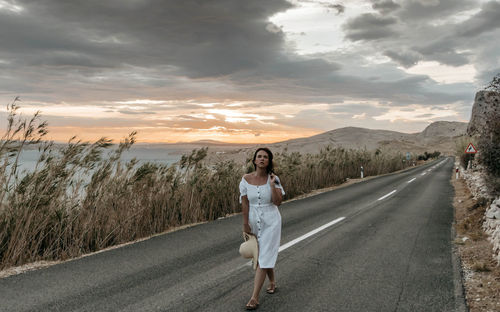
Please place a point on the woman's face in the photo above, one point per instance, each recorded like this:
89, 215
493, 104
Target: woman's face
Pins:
262, 159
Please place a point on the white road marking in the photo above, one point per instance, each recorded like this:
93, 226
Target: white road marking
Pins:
321, 228
301, 238
423, 173
387, 195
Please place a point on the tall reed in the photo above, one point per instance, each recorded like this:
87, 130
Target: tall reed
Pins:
81, 197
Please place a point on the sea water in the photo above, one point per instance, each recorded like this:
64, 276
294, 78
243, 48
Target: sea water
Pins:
143, 154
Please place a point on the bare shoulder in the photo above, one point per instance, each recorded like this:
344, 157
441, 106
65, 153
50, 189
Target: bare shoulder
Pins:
248, 177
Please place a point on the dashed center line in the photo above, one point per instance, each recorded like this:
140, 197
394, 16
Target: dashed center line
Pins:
412, 180
387, 195
308, 234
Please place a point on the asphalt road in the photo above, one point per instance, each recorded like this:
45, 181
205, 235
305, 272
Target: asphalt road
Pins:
391, 251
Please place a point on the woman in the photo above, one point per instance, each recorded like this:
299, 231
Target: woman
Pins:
260, 195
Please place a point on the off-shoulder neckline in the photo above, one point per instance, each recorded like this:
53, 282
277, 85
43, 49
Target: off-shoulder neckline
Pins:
267, 182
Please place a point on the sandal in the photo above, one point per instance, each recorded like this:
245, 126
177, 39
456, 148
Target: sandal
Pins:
252, 305
272, 288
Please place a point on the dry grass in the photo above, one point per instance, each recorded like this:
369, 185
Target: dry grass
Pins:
82, 198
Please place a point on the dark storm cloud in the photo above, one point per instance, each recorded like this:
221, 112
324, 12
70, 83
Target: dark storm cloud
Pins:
486, 20
212, 50
424, 10
404, 58
232, 35
370, 26
386, 6
443, 50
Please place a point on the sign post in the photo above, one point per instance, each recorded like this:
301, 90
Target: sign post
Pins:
470, 150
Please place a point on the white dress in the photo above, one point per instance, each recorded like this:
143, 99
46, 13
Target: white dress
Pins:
264, 219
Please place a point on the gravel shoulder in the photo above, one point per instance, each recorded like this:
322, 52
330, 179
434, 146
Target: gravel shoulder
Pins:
481, 274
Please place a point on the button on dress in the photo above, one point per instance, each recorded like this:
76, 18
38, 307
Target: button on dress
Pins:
264, 219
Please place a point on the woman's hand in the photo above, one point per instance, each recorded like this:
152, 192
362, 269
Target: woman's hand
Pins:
247, 229
273, 180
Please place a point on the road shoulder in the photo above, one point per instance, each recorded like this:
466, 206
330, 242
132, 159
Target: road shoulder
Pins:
479, 272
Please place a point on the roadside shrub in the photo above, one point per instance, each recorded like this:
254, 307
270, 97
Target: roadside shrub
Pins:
427, 155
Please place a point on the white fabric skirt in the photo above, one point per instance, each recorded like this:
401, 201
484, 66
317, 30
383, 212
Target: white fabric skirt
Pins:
265, 222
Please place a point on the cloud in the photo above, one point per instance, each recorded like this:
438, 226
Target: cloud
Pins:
428, 3
339, 7
385, 7
131, 112
488, 19
233, 36
369, 26
426, 10
178, 55
404, 58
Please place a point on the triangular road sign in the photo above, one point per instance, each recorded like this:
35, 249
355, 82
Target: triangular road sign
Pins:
470, 149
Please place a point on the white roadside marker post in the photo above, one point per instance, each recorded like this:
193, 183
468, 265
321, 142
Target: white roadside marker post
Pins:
362, 172
456, 171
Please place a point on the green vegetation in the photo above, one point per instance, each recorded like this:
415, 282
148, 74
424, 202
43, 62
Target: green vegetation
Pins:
426, 155
82, 198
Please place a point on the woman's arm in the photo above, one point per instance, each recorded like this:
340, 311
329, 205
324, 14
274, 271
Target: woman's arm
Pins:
244, 209
276, 196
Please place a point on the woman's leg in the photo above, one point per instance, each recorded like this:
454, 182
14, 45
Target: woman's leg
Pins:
272, 281
270, 275
260, 276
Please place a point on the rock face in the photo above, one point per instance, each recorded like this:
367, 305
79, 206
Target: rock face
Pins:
486, 104
486, 108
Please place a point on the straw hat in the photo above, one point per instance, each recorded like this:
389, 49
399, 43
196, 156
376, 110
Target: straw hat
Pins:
250, 248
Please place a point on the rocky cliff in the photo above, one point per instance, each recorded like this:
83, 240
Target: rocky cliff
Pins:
486, 109
486, 104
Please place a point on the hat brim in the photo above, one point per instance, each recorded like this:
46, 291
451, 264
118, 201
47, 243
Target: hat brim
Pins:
250, 248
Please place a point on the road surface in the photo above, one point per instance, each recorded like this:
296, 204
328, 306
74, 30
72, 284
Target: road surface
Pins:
384, 244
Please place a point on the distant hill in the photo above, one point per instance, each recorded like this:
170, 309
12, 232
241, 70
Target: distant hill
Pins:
444, 129
438, 136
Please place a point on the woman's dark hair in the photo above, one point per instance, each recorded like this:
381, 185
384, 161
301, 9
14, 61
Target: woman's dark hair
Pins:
269, 168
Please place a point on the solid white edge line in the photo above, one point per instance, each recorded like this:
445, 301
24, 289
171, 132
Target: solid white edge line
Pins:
412, 180
301, 238
387, 195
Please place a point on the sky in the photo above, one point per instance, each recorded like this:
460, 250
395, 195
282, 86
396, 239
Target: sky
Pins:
244, 71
